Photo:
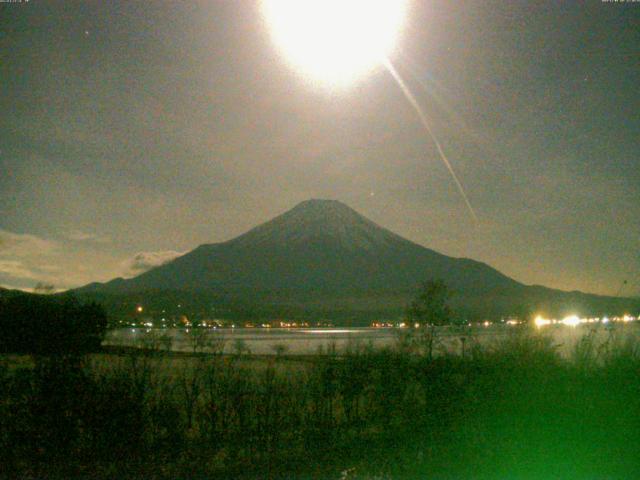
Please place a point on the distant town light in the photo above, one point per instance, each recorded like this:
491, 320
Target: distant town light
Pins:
571, 320
541, 322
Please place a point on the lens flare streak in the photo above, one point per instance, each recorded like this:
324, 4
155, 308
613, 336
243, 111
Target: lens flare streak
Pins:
425, 123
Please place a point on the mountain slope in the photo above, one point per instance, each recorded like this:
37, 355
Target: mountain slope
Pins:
320, 245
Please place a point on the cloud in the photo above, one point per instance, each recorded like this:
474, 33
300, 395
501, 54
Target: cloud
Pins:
78, 236
26, 260
8, 286
16, 269
24, 244
25, 269
30, 289
144, 261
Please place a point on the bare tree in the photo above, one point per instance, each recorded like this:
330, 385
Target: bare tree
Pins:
198, 339
429, 309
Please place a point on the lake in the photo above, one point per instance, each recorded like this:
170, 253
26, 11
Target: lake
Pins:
309, 341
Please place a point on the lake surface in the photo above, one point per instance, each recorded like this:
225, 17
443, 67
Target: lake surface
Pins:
309, 341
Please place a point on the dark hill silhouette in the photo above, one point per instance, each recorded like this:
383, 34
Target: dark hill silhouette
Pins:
325, 252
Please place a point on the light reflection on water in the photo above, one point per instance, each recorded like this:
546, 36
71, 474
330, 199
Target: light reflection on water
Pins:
309, 341
330, 330
297, 341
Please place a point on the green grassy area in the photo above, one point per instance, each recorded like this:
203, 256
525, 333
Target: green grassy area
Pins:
516, 411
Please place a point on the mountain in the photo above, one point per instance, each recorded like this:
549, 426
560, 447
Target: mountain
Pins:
320, 245
323, 255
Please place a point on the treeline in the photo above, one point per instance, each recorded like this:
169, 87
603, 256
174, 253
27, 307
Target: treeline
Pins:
46, 324
209, 305
354, 308
516, 411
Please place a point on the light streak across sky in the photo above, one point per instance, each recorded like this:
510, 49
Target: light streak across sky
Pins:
425, 123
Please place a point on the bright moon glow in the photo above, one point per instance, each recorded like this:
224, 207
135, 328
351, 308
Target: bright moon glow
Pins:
335, 41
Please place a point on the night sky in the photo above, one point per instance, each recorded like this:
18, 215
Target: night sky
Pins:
132, 131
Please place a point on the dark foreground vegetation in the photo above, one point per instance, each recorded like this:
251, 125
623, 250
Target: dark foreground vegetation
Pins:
48, 325
518, 411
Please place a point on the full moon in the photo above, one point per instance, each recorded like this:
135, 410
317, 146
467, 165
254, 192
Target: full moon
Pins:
334, 41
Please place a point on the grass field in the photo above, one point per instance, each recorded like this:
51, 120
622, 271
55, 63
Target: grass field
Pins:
518, 410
